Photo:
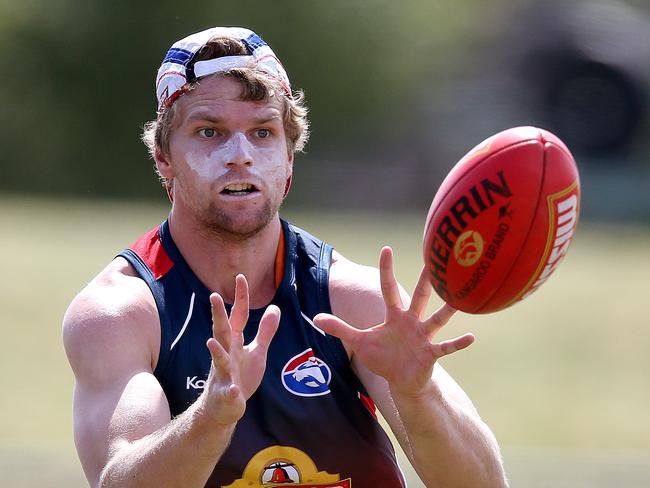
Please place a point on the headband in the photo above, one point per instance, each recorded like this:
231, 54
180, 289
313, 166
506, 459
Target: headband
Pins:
176, 69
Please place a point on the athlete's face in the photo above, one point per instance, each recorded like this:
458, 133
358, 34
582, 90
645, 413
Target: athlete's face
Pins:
228, 158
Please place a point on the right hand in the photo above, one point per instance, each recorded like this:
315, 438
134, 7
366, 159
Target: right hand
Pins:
237, 369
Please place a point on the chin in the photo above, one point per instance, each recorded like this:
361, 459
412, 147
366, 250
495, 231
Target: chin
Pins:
238, 225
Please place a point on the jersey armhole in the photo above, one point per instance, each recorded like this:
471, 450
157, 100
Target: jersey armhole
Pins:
147, 276
335, 345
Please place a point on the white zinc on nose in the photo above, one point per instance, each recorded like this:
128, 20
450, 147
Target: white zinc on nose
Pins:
236, 150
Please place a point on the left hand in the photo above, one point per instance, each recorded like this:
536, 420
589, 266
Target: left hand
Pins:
237, 369
401, 349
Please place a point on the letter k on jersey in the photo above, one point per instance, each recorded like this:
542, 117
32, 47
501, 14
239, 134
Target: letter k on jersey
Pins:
194, 383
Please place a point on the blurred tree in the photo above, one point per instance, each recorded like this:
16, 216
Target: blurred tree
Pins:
78, 77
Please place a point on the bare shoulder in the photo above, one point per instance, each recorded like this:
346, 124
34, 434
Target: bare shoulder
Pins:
355, 292
111, 323
111, 335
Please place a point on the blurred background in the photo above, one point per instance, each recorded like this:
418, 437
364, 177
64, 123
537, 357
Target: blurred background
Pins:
398, 92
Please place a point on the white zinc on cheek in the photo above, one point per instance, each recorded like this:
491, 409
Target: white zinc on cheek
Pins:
210, 165
204, 165
236, 150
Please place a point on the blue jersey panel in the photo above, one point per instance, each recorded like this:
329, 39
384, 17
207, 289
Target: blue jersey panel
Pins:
310, 423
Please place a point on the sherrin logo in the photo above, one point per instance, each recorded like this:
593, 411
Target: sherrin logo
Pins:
306, 375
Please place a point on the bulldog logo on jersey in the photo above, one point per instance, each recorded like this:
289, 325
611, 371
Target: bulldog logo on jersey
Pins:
306, 375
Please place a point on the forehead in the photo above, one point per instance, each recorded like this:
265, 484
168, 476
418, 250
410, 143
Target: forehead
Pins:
220, 95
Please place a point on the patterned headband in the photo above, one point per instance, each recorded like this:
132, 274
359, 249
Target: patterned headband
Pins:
176, 70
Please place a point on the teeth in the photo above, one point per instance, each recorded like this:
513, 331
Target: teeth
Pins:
239, 187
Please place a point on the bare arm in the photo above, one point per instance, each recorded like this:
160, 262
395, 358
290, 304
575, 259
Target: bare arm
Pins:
396, 359
123, 429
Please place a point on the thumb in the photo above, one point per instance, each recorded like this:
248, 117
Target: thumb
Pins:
336, 327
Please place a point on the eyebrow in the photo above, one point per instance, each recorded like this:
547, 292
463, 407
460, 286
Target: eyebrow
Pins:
215, 119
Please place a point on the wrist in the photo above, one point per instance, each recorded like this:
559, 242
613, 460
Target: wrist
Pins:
426, 393
211, 418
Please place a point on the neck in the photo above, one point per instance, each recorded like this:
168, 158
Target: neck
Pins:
218, 259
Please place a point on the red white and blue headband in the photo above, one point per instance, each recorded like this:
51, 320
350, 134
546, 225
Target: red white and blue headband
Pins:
176, 72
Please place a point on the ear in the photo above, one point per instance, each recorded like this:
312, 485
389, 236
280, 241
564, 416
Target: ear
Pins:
287, 185
163, 164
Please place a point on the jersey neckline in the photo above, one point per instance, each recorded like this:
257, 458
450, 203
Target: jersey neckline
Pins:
202, 291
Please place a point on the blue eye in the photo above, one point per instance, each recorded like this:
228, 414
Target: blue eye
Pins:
263, 133
208, 132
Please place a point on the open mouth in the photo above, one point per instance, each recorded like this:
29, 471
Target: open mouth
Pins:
239, 189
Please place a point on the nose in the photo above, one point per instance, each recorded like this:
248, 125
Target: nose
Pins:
238, 151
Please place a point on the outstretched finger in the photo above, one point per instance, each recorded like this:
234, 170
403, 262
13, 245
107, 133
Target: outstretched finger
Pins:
389, 286
439, 318
338, 328
421, 294
239, 311
445, 348
220, 360
220, 324
268, 327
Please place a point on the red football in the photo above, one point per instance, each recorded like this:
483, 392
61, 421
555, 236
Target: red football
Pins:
502, 220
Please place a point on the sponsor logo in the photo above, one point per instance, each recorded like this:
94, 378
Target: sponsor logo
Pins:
451, 228
468, 248
278, 466
194, 383
306, 375
563, 219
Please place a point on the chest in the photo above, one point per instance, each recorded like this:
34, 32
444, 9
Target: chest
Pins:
302, 361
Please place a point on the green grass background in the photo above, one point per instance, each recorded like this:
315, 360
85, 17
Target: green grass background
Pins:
561, 378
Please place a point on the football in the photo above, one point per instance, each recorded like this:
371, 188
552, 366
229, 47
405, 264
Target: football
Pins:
502, 220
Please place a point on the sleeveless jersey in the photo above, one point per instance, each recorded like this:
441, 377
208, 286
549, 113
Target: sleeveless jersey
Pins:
310, 423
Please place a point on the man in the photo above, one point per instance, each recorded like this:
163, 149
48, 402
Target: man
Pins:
175, 387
